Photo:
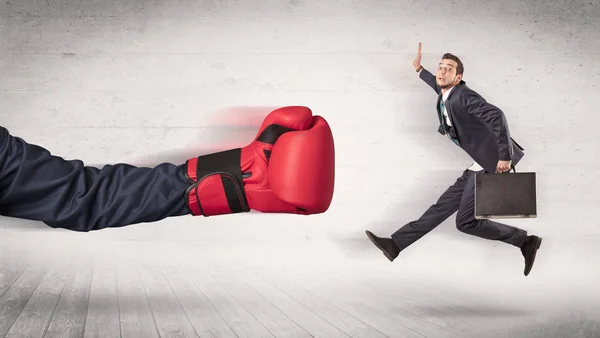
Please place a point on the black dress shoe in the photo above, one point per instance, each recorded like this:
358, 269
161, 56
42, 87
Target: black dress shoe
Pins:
387, 245
529, 249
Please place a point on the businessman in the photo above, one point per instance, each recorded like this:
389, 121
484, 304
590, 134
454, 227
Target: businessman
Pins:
468, 121
287, 168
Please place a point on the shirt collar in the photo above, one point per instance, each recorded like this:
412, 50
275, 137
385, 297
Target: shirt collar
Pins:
445, 96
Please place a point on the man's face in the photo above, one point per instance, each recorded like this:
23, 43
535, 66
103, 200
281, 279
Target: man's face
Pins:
446, 74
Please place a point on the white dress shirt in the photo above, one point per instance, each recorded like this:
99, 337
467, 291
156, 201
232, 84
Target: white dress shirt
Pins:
475, 166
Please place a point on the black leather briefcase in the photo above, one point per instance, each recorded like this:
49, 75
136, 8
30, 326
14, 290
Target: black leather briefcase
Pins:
505, 195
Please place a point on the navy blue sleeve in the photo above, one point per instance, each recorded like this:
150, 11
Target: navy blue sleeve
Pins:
429, 78
36, 185
493, 118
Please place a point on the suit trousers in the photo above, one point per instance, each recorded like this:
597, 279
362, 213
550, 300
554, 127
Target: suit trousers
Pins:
460, 198
37, 185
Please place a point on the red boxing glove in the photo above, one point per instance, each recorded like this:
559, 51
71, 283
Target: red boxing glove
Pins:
288, 168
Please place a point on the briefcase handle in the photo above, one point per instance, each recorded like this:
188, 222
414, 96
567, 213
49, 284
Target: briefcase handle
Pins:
512, 167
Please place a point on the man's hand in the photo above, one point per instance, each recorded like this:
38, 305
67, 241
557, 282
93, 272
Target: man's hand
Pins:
503, 166
417, 62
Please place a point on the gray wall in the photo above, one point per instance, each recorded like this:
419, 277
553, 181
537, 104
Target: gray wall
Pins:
144, 82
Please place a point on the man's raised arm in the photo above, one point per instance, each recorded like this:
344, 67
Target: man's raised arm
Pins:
424, 74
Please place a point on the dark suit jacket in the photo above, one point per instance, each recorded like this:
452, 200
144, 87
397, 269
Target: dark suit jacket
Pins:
480, 127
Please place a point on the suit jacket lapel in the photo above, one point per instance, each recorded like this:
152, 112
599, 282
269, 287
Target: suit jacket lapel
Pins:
439, 115
448, 105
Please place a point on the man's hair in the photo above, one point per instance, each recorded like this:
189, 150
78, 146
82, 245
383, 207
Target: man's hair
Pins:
459, 68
